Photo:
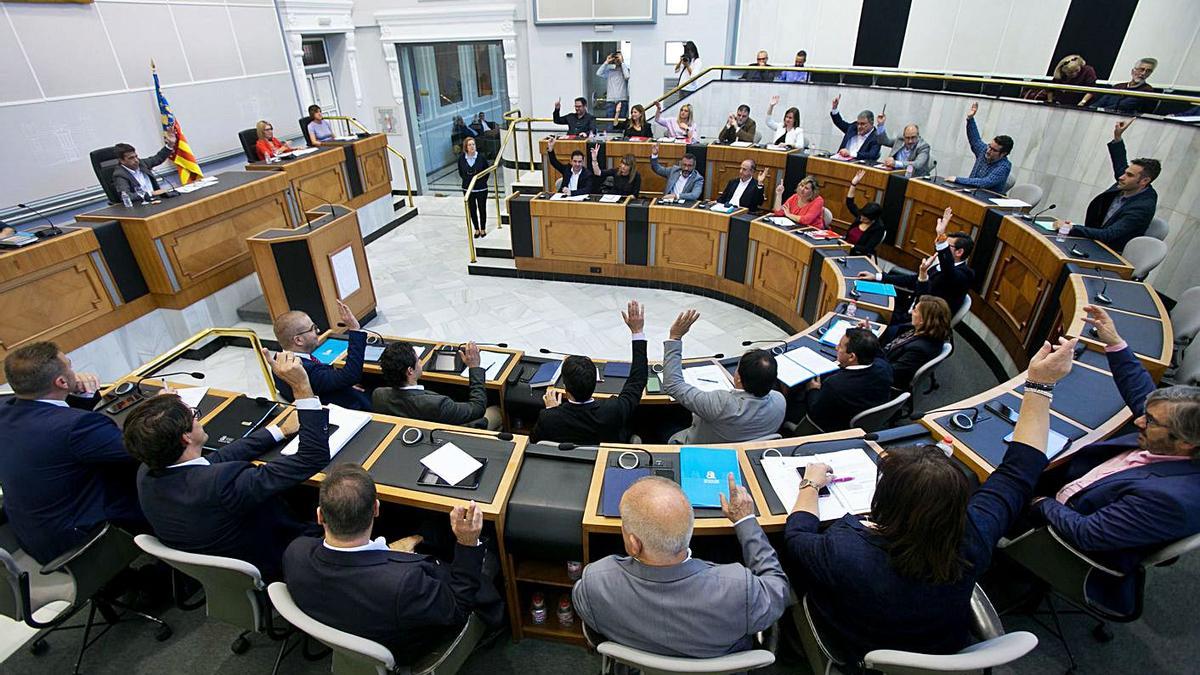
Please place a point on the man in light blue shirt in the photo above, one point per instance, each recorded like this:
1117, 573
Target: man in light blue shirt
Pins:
616, 75
795, 75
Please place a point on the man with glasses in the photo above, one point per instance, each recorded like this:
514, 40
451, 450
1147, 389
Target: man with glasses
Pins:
991, 159
1141, 71
222, 503
297, 334
1128, 496
859, 140
683, 180
908, 150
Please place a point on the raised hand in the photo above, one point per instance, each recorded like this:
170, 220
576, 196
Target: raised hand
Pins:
617, 110
86, 383
467, 523
972, 110
762, 175
944, 221
550, 141
470, 354
862, 173
288, 367
732, 121
595, 151
634, 317
923, 269
739, 504
654, 149
1099, 319
346, 316
171, 138
1120, 127
683, 323
1051, 364
880, 119
557, 103
836, 100
774, 101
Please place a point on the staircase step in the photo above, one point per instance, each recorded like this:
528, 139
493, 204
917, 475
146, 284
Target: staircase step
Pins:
493, 267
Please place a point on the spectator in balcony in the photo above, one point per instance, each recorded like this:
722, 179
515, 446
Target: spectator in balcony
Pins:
689, 65
1138, 76
1072, 70
760, 59
795, 75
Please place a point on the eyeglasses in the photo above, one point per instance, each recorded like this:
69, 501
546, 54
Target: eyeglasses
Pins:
995, 148
196, 414
1151, 422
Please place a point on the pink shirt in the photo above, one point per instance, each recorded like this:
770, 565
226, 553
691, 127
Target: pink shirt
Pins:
1123, 461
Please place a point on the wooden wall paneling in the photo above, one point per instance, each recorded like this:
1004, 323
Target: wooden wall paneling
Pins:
688, 240
51, 301
568, 233
834, 178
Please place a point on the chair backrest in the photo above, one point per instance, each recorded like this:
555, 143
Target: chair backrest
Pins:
757, 136
978, 657
1144, 253
827, 216
1185, 318
1172, 551
10, 587
924, 374
104, 161
304, 129
248, 139
655, 664
768, 437
1188, 372
1158, 229
232, 587
874, 419
352, 654
1027, 192
962, 312
1009, 182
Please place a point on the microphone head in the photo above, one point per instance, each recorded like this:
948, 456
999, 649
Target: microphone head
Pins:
503, 345
197, 374
747, 343
1052, 206
566, 446
504, 436
543, 350
22, 206
871, 436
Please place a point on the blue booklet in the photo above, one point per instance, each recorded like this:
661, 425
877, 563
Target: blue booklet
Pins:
330, 350
875, 287
704, 474
616, 481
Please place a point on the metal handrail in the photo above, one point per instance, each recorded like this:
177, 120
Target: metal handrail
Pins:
182, 347
508, 135
403, 160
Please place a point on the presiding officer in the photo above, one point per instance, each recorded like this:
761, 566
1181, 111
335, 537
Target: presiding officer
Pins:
134, 175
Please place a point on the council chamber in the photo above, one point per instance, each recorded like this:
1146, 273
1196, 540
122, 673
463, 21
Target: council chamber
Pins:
547, 336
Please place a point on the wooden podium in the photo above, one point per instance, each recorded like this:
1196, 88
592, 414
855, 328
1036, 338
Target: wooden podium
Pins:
309, 268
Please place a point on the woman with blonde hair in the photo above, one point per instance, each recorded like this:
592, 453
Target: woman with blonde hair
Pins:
681, 127
268, 146
804, 208
1072, 70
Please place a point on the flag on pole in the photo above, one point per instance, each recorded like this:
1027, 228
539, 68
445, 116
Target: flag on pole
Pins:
183, 158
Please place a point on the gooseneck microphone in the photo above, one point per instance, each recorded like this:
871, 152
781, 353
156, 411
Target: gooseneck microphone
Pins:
467, 431
1101, 297
372, 336
543, 350
1033, 217
307, 220
779, 348
54, 229
194, 374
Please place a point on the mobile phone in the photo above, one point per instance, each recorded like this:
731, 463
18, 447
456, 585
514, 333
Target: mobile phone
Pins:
1003, 411
653, 385
823, 492
471, 482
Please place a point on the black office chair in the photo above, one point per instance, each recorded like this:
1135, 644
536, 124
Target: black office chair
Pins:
249, 137
304, 128
104, 161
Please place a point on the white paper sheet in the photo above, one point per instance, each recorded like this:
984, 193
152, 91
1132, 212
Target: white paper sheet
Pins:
812, 361
708, 378
492, 362
741, 144
345, 272
450, 463
781, 221
791, 373
192, 396
848, 496
1006, 203
300, 152
609, 199
785, 480
348, 422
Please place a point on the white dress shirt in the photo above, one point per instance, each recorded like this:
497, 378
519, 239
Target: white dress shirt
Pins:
680, 185
737, 194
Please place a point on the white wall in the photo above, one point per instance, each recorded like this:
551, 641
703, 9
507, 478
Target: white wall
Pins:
1168, 30
77, 77
825, 29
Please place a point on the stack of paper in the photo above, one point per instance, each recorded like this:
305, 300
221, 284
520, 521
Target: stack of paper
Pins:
491, 362
304, 151
1006, 203
451, 464
741, 144
801, 365
348, 423
781, 221
833, 335
609, 199
846, 496
708, 378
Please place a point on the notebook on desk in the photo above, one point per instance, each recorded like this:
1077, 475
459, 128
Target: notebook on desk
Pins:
704, 474
616, 481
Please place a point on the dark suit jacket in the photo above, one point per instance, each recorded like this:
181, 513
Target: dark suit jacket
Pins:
1123, 517
576, 124
872, 238
421, 404
870, 148
907, 353
466, 172
64, 470
598, 421
752, 196
123, 182
584, 186
1131, 220
746, 134
948, 281
230, 508
853, 589
845, 393
405, 601
336, 385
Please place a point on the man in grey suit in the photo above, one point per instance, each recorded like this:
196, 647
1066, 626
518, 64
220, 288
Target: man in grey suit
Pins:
908, 150
662, 600
403, 397
683, 180
133, 175
752, 410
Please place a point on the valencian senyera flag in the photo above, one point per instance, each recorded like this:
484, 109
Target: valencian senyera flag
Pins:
189, 169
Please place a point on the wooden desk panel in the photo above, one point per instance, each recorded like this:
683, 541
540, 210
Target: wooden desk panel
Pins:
322, 175
374, 169
924, 204
780, 269
568, 233
652, 183
687, 240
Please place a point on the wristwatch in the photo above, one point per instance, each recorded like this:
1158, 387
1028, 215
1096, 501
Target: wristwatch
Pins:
808, 483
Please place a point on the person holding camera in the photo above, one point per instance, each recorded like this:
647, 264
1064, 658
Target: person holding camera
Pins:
616, 75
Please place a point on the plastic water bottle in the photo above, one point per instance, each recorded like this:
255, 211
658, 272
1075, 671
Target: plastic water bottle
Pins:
908, 171
852, 308
574, 570
1064, 228
946, 445
539, 609
566, 616
125, 200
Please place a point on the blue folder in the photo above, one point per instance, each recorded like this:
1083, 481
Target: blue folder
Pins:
330, 350
875, 287
704, 474
616, 481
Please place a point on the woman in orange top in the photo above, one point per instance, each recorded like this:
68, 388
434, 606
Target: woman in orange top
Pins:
267, 145
806, 207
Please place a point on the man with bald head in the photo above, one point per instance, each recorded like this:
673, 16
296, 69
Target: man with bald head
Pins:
297, 333
908, 150
662, 600
746, 189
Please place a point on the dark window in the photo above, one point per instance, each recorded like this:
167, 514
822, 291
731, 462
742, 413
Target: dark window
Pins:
483, 70
449, 73
314, 53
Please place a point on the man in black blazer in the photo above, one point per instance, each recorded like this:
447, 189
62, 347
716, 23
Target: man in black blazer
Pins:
405, 601
64, 468
745, 190
577, 179
405, 398
582, 419
862, 381
944, 274
133, 175
297, 334
221, 503
1123, 211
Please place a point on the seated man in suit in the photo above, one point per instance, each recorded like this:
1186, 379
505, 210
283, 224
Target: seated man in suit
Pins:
660, 599
859, 141
739, 127
403, 397
582, 419
297, 334
580, 122
406, 601
683, 180
1124, 498
908, 150
752, 410
576, 179
862, 381
481, 125
64, 468
745, 190
944, 274
1123, 211
992, 165
221, 503
133, 175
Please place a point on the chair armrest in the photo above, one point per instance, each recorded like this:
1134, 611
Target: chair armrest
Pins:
1035, 540
980, 656
1082, 556
61, 562
729, 663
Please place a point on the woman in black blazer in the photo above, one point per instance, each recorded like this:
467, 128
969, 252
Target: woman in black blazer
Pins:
867, 229
623, 180
909, 346
471, 162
